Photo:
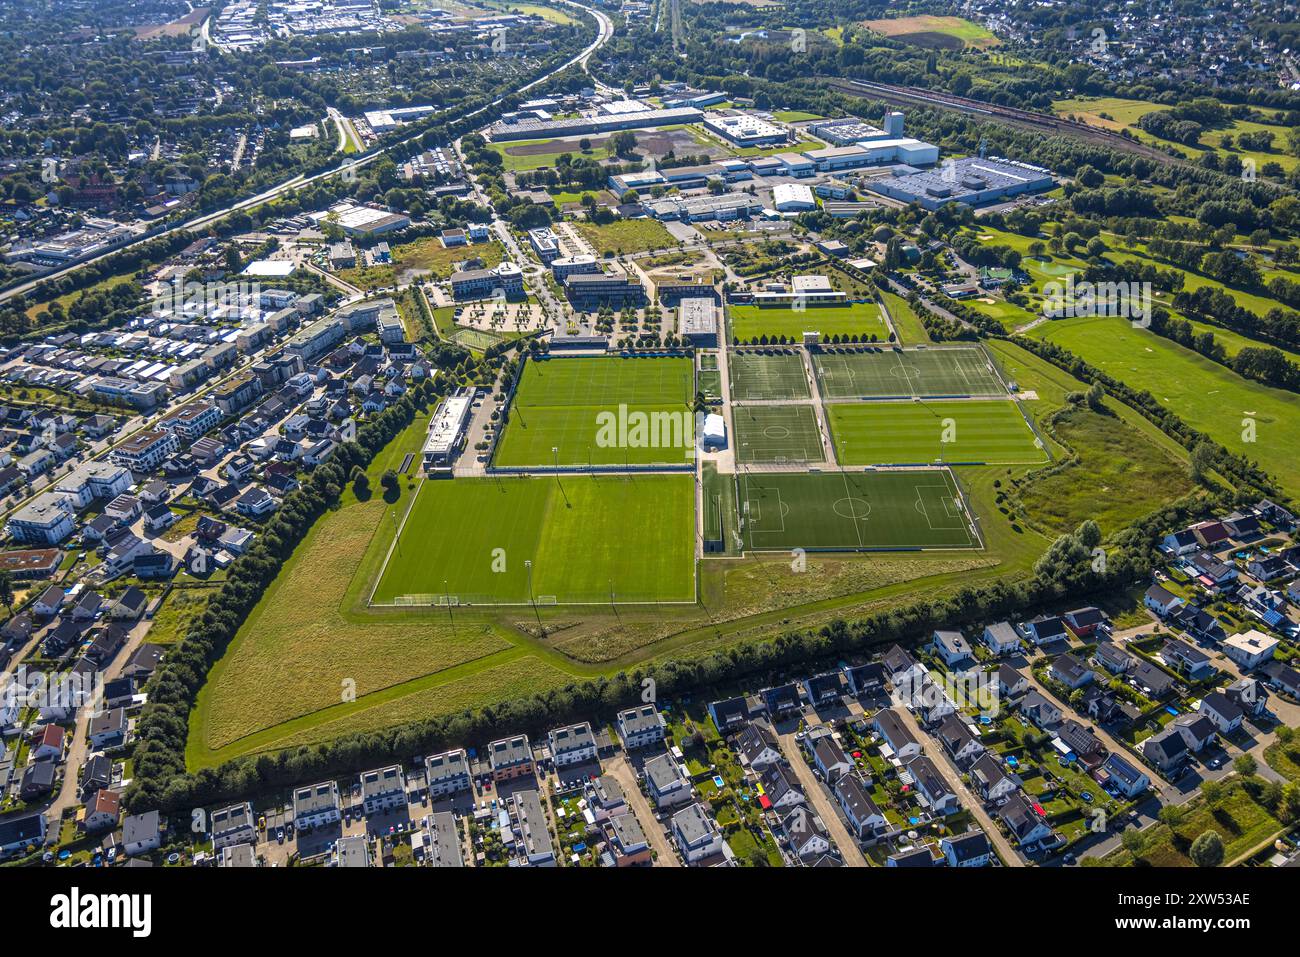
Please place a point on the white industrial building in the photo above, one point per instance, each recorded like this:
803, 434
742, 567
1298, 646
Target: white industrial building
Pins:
745, 129
447, 432
793, 197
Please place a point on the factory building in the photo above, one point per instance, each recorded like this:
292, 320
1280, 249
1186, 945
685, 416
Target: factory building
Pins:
973, 180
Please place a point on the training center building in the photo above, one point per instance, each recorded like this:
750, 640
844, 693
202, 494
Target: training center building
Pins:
697, 321
506, 278
973, 180
447, 433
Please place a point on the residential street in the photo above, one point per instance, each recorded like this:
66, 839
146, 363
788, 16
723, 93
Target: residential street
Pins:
816, 794
621, 771
969, 800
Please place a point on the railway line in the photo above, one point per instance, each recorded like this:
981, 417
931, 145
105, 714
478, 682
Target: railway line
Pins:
911, 96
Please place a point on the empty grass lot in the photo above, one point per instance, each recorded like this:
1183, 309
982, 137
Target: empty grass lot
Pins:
1113, 479
586, 537
862, 320
853, 510
600, 411
880, 373
1206, 395
991, 432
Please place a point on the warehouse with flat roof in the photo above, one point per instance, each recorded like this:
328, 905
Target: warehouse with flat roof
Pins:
973, 180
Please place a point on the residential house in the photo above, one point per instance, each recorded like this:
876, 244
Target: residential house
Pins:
990, 779
824, 690
1045, 629
1250, 649
1152, 681
1250, 695
1188, 661
1161, 600
1001, 638
666, 782
317, 805
572, 744
1123, 777
1085, 622
447, 773
1197, 730
781, 701
861, 814
757, 747
780, 787
729, 714
233, 825
108, 729
828, 757
952, 647
1026, 826
141, 833
971, 849
1223, 714
933, 787
383, 789
510, 758
806, 835
1011, 683
1167, 752
895, 734
868, 679
1113, 658
37, 781
956, 737
640, 727
1039, 710
1081, 742
1070, 671
696, 834
103, 811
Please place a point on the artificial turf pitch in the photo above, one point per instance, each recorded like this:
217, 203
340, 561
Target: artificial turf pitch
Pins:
881, 373
776, 434
767, 375
991, 432
590, 539
565, 405
852, 511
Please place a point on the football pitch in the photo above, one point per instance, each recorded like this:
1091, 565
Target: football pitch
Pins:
589, 539
767, 375
862, 320
880, 373
776, 434
853, 511
600, 411
991, 432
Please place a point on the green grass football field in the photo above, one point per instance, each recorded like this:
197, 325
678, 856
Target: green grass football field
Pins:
853, 510
991, 432
776, 434
600, 411
586, 537
767, 375
877, 373
860, 319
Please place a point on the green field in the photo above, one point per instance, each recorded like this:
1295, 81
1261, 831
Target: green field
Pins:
858, 319
991, 432
767, 375
520, 156
910, 328
850, 511
776, 434
1118, 477
600, 411
879, 373
625, 236
587, 537
1204, 394
928, 30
